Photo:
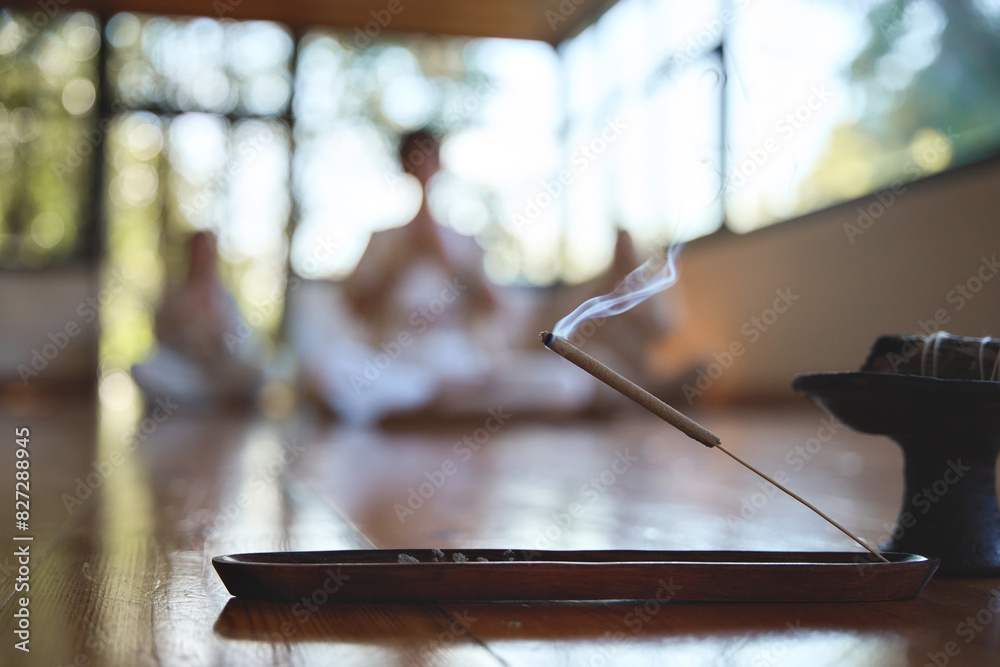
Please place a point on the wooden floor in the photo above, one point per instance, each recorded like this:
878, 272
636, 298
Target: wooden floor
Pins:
124, 530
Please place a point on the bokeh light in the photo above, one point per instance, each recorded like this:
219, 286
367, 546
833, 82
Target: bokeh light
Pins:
47, 229
78, 96
47, 105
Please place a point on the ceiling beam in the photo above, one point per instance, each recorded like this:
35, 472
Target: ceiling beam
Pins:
549, 21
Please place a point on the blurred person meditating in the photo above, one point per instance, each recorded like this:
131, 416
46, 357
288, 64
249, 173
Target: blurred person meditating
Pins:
428, 330
204, 356
407, 268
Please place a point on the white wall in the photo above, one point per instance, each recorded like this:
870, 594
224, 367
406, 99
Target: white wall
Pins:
899, 272
40, 311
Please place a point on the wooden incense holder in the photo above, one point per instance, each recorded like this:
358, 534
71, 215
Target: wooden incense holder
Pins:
949, 431
684, 576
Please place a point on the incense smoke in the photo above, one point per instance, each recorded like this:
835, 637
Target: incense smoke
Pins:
654, 275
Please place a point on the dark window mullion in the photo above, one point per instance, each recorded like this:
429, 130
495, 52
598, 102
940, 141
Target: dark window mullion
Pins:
94, 236
293, 205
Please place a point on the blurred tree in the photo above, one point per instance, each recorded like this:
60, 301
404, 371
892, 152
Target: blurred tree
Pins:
929, 84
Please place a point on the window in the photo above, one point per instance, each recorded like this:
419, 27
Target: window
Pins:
198, 137
644, 116
48, 93
823, 102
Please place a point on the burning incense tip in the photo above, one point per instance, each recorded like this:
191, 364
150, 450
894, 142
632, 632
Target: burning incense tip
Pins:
629, 389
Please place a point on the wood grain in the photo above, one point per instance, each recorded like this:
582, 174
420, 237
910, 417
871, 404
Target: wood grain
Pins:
545, 20
124, 577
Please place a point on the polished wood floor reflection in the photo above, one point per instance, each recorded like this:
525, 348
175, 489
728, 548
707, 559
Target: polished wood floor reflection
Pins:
126, 515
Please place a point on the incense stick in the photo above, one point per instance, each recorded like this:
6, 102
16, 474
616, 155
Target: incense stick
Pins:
624, 386
804, 502
683, 423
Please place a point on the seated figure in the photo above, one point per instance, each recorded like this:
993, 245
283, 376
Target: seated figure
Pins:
425, 328
204, 357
